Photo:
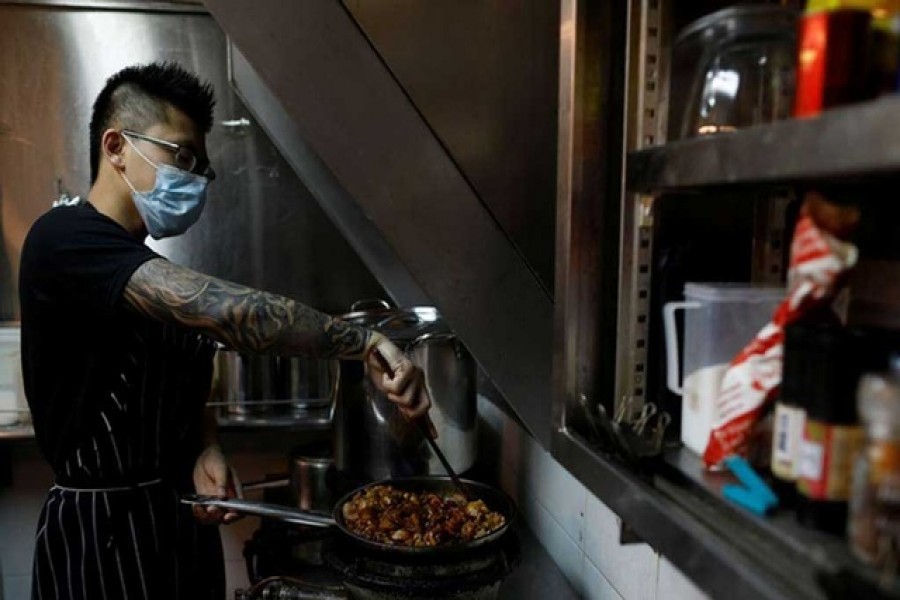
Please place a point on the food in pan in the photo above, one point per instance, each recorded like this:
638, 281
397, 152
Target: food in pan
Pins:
382, 513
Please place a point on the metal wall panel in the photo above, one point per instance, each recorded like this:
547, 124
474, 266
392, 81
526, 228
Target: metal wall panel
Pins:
261, 227
484, 75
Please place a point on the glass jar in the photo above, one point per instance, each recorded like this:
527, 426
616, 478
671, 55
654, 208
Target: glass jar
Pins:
874, 523
742, 60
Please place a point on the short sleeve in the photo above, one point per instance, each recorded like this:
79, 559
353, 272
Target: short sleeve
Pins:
77, 257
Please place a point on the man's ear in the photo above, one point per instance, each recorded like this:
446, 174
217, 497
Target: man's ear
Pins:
113, 146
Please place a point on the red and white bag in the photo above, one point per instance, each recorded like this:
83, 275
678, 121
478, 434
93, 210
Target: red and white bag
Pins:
818, 260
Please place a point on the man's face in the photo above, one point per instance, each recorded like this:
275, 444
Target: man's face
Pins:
179, 129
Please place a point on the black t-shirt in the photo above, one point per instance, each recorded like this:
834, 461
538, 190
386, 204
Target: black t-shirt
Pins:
116, 397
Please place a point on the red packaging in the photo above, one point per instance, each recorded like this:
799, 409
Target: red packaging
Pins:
831, 60
818, 259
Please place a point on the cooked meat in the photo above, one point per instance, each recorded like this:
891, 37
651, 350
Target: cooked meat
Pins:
385, 514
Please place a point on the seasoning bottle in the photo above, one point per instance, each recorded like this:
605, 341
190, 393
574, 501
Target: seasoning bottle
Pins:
832, 53
874, 523
832, 437
884, 48
790, 415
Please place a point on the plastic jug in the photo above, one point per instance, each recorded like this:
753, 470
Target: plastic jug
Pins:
13, 408
720, 319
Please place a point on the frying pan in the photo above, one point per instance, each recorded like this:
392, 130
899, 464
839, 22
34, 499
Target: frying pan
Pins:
495, 500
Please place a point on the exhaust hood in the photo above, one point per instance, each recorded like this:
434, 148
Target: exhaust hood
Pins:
320, 89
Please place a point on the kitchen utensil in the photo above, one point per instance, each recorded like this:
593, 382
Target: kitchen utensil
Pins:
647, 413
424, 425
745, 63
495, 499
265, 484
610, 434
720, 319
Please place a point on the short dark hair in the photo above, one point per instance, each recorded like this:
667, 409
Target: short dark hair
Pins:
136, 98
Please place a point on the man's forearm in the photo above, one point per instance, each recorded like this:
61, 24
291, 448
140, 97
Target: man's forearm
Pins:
238, 316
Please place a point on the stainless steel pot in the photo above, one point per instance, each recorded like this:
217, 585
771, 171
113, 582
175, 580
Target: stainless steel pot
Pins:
307, 383
372, 440
256, 385
245, 384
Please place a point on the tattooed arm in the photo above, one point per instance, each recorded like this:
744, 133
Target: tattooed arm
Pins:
240, 317
254, 321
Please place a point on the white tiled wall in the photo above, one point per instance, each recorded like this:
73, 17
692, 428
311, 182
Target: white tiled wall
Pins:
578, 530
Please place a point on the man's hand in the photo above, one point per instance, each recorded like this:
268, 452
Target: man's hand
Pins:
406, 386
212, 477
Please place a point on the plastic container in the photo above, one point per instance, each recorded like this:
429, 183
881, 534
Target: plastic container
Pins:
720, 319
13, 408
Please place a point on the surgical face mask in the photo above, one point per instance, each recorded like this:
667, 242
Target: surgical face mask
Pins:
175, 202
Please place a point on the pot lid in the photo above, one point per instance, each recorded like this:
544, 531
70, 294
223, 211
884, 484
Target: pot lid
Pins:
398, 324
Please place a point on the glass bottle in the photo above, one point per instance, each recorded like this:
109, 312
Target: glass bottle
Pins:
874, 521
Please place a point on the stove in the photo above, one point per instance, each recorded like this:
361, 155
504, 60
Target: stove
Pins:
293, 562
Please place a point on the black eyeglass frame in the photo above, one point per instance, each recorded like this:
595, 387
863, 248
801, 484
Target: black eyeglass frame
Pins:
196, 163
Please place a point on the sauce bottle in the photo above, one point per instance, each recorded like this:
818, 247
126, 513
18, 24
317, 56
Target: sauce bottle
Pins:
790, 415
832, 436
833, 54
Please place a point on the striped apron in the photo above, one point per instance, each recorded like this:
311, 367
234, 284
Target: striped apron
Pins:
112, 526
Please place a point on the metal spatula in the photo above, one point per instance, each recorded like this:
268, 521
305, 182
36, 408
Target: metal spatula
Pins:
424, 426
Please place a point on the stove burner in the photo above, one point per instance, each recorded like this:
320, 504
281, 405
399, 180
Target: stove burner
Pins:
278, 550
299, 562
476, 575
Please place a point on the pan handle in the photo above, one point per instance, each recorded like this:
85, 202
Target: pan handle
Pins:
262, 509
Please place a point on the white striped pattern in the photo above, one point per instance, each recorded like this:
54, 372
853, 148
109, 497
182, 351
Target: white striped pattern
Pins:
129, 423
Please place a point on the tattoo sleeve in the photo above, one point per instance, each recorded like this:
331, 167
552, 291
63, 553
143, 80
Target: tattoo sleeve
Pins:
240, 317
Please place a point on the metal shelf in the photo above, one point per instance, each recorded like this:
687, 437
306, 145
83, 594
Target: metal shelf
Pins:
726, 551
318, 419
313, 419
845, 143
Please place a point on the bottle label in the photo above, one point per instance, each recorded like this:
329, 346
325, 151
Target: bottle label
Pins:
812, 461
827, 454
787, 437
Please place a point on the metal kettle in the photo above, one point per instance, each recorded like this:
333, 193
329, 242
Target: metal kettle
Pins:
372, 440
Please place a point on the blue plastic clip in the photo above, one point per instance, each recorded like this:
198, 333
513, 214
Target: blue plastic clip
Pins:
752, 492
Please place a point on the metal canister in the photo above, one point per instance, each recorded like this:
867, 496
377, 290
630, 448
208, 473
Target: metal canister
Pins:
246, 385
308, 383
310, 481
262, 386
372, 439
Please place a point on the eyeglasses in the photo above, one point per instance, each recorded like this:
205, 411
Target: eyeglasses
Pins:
185, 159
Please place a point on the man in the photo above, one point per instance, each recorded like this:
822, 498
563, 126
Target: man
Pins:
117, 346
